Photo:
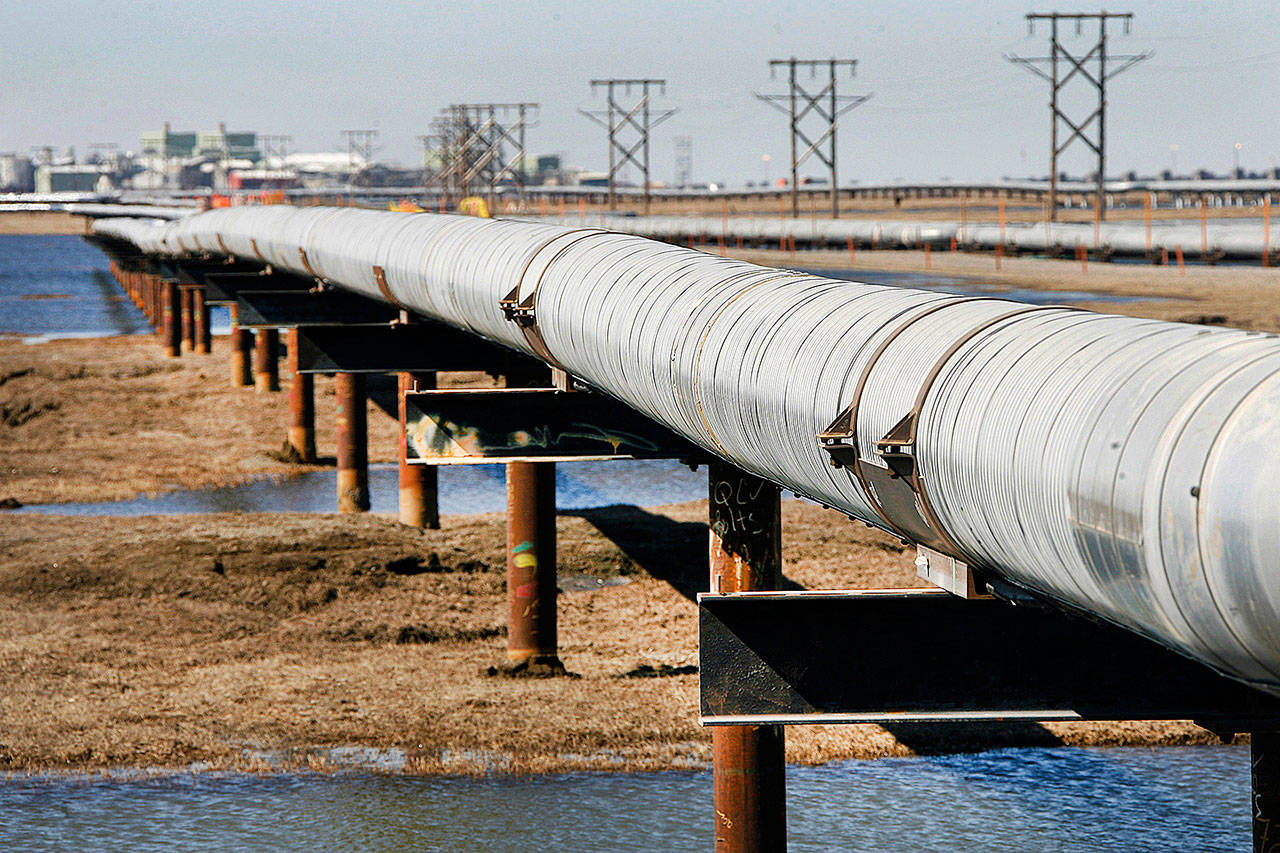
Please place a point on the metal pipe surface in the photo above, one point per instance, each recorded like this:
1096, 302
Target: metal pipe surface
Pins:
203, 326
266, 361
1121, 466
353, 443
748, 762
302, 403
419, 506
186, 296
531, 566
170, 323
1264, 753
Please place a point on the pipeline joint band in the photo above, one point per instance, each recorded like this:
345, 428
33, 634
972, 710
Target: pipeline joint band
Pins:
895, 489
380, 276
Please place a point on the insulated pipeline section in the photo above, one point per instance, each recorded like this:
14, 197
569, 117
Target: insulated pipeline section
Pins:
1125, 467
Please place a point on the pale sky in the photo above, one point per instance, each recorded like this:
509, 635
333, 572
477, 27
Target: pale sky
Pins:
946, 103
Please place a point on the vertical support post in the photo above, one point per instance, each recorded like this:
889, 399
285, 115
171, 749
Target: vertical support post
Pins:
186, 293
419, 505
835, 191
302, 403
749, 770
1265, 794
1054, 85
170, 329
795, 163
241, 341
203, 329
1102, 118
266, 361
531, 569
353, 443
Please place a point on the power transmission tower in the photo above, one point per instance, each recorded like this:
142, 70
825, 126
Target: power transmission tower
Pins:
275, 145
484, 145
360, 142
826, 104
1092, 67
618, 118
684, 160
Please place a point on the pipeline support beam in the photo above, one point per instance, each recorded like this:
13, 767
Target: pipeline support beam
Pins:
748, 762
170, 328
531, 569
266, 361
419, 503
302, 404
353, 443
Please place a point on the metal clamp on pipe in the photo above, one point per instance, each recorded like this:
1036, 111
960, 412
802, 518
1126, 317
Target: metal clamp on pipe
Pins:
896, 490
518, 305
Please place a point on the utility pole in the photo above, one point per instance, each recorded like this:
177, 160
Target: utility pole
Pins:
826, 104
1091, 67
275, 145
485, 145
684, 160
617, 118
359, 142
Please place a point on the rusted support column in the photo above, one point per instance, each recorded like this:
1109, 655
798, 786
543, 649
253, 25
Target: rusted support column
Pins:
188, 319
302, 403
170, 327
748, 762
266, 361
531, 568
1265, 765
353, 443
241, 343
154, 308
203, 330
418, 483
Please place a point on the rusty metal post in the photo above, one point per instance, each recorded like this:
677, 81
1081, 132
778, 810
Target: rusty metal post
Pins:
353, 443
266, 361
156, 301
748, 762
1265, 801
241, 342
302, 403
531, 568
170, 328
418, 483
203, 329
187, 294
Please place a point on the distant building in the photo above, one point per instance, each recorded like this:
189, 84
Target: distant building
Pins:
165, 143
17, 174
236, 146
261, 179
75, 178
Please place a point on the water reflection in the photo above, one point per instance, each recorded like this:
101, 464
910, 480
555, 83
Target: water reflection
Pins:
463, 489
1189, 798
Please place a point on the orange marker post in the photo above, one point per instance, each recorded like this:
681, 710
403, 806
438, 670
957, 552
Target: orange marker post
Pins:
927, 263
1266, 231
1204, 229
851, 255
1084, 259
1000, 207
1146, 215
1182, 267
999, 255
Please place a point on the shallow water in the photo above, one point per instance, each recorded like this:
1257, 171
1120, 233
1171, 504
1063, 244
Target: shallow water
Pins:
57, 286
462, 489
1190, 798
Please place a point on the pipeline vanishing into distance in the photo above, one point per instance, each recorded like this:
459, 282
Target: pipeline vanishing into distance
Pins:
1232, 239
1121, 466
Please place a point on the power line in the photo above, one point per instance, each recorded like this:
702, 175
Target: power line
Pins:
826, 104
1090, 67
618, 119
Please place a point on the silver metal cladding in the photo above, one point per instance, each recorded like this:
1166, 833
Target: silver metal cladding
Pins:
1126, 467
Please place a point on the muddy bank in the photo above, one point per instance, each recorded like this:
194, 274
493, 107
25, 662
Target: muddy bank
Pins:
164, 641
